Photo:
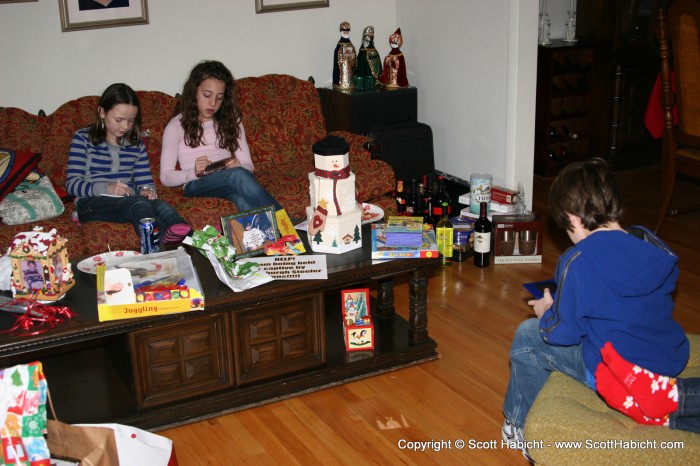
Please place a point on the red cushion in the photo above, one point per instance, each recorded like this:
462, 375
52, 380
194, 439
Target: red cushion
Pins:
14, 167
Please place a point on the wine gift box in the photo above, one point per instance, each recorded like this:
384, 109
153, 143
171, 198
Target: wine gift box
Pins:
517, 239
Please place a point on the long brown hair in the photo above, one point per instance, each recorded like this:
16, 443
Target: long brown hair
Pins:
226, 120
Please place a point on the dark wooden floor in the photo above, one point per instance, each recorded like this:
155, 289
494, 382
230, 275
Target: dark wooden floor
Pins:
473, 314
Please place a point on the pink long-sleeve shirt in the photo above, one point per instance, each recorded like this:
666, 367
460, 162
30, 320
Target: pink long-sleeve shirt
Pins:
175, 151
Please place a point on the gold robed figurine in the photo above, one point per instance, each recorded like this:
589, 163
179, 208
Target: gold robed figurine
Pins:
344, 60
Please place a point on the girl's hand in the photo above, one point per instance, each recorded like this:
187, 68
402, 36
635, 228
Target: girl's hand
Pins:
119, 189
200, 164
540, 306
148, 192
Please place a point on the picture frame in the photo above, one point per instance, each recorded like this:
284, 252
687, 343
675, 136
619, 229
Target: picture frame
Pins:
270, 6
17, 1
33, 277
78, 16
355, 306
250, 231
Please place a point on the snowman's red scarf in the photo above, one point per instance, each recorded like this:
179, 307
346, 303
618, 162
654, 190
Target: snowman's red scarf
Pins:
334, 175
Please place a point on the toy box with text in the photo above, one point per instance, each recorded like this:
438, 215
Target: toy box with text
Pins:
517, 239
148, 285
358, 328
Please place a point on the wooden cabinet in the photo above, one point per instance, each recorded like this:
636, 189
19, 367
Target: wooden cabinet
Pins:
625, 68
182, 360
356, 111
279, 340
562, 117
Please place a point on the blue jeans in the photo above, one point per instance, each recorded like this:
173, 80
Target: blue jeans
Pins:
532, 360
238, 185
688, 415
127, 209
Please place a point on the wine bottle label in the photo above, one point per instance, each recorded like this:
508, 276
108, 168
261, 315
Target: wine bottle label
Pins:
482, 242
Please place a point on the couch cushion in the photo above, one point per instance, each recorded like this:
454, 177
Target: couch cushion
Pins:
14, 168
60, 127
283, 119
21, 130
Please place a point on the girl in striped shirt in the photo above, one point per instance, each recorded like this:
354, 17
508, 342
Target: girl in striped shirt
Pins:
108, 170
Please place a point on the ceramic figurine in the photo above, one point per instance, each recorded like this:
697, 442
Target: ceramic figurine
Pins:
369, 64
394, 74
334, 216
344, 60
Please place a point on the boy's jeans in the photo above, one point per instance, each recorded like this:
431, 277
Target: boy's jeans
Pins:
531, 362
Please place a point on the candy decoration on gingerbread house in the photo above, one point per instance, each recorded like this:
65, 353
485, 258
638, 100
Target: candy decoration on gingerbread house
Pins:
40, 266
334, 216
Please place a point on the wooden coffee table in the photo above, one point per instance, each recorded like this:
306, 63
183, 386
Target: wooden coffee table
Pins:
268, 343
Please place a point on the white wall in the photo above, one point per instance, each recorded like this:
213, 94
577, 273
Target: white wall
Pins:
475, 66
473, 62
48, 67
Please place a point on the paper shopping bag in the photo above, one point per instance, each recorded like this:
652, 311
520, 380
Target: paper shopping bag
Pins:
91, 445
141, 448
23, 392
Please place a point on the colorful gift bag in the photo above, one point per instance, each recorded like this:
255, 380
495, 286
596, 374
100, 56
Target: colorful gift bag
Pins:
23, 393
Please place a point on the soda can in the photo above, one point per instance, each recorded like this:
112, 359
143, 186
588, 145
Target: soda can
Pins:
479, 191
148, 234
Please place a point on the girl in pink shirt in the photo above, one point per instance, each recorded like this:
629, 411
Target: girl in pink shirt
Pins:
208, 130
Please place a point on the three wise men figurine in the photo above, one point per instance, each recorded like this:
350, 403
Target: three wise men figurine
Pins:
344, 58
394, 74
369, 64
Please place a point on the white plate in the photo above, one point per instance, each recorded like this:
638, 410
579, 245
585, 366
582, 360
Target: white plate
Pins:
90, 264
370, 213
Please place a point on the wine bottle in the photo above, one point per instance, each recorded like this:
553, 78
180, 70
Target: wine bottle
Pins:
482, 238
570, 133
419, 201
554, 134
439, 197
400, 198
427, 195
444, 234
412, 203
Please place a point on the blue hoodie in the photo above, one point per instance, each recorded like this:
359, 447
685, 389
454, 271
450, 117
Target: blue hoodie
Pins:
617, 287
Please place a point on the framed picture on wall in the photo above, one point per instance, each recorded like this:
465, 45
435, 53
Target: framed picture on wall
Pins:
250, 231
78, 15
268, 6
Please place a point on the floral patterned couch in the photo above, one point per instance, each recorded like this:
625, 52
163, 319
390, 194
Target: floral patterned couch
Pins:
282, 117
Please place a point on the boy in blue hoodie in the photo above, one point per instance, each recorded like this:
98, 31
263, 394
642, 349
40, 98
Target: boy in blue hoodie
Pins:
613, 285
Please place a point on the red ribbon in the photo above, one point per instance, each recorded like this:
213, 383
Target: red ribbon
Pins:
38, 317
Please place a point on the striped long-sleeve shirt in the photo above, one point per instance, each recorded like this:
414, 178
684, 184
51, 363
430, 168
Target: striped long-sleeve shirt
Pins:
92, 167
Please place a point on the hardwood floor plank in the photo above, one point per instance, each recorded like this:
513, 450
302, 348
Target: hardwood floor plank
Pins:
473, 314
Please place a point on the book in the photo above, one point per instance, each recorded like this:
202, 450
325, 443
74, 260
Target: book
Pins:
404, 231
465, 213
496, 206
427, 250
463, 222
537, 288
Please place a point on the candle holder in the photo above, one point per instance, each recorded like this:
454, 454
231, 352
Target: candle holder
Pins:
571, 27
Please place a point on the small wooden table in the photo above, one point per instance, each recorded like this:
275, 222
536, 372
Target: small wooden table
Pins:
268, 343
